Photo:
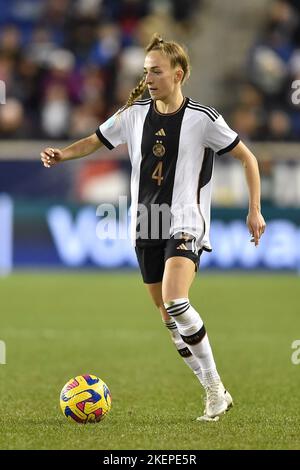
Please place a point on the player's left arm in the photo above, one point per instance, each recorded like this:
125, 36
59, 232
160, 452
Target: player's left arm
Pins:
255, 221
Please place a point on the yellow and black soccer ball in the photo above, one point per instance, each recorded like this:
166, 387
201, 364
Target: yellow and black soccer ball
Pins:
85, 399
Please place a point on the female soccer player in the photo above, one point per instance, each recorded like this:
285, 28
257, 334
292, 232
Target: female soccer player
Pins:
171, 142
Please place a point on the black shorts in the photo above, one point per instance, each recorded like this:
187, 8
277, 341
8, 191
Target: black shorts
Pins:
152, 258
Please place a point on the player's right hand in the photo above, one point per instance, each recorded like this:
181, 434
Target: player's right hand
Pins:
51, 156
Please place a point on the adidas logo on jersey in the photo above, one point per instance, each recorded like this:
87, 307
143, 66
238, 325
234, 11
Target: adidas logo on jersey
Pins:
160, 132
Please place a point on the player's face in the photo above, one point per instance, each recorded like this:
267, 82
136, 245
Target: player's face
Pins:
161, 78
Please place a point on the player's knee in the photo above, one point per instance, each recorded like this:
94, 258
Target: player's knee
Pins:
173, 304
169, 296
181, 310
173, 294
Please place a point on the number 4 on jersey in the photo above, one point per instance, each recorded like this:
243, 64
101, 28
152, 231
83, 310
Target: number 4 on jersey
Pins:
157, 173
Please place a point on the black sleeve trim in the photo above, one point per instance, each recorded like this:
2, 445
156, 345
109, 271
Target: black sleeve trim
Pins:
230, 147
104, 140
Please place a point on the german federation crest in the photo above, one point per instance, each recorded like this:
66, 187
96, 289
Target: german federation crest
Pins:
158, 149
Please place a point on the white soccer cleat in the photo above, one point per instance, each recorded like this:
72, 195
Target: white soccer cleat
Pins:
207, 418
218, 401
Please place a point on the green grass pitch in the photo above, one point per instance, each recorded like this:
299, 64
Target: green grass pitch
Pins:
56, 326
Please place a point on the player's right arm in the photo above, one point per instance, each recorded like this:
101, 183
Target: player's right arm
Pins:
51, 156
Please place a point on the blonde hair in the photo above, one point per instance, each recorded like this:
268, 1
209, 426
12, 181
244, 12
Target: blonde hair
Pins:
177, 56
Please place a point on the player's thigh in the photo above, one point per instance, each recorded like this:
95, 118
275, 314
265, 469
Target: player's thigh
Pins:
178, 276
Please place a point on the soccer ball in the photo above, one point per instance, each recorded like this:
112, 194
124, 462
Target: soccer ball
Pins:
85, 399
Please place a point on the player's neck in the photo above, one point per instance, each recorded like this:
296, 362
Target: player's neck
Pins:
170, 105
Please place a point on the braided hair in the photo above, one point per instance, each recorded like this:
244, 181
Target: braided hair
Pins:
136, 92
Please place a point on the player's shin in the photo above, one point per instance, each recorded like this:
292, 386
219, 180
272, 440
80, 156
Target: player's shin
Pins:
191, 361
193, 333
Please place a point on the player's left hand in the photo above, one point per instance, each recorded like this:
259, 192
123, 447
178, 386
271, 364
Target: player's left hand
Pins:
256, 225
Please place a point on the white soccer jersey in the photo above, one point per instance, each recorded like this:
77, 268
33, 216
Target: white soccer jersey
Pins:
172, 159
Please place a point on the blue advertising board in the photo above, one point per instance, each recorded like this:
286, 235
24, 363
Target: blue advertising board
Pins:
45, 235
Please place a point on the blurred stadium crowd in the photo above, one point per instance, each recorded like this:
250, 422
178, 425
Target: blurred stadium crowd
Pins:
263, 108
68, 64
